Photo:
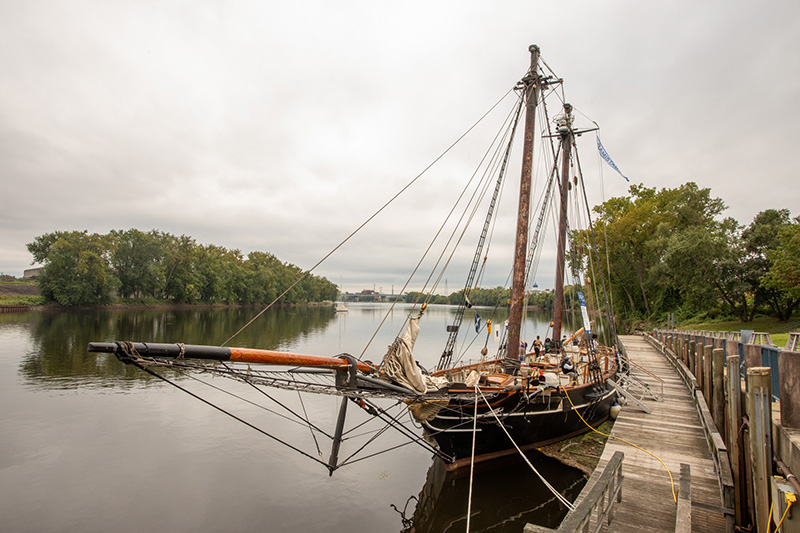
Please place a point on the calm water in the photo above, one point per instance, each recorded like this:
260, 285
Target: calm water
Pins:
89, 444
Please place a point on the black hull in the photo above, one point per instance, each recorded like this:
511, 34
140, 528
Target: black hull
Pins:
530, 422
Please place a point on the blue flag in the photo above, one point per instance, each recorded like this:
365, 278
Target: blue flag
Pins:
477, 323
607, 158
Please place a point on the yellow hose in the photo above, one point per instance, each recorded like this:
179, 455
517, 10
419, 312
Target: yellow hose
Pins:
671, 481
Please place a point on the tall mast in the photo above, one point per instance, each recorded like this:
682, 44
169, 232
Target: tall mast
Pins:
532, 89
565, 132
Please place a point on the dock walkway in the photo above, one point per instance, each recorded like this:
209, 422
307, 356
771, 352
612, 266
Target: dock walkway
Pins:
674, 433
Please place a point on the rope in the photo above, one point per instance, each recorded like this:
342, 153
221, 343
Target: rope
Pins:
220, 409
371, 217
552, 489
671, 481
472, 458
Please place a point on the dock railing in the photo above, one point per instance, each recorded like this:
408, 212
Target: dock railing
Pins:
738, 382
700, 353
598, 503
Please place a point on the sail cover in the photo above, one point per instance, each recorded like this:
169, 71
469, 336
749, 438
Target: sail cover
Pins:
399, 364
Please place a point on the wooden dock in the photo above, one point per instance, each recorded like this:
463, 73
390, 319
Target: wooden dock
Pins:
674, 433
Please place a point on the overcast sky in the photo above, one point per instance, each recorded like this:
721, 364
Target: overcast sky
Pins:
282, 126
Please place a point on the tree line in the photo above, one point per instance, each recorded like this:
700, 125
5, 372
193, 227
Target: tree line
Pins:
671, 250
83, 268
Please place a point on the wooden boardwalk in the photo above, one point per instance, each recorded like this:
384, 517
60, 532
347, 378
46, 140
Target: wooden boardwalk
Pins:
674, 433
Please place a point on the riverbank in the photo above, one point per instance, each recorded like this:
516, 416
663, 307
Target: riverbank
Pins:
582, 452
26, 294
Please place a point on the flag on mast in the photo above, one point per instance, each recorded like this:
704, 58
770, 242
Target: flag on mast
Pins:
607, 158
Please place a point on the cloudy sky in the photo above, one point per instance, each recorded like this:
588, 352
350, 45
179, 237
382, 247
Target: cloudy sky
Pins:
282, 126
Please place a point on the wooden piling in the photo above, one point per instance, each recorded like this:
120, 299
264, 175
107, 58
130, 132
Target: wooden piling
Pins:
759, 411
752, 355
789, 363
718, 388
692, 359
734, 387
707, 373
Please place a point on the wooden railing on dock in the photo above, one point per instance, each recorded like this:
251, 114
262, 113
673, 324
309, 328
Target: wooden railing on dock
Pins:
598, 502
711, 427
743, 377
14, 308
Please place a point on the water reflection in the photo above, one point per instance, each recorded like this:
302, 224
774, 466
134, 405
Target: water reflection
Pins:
497, 504
58, 359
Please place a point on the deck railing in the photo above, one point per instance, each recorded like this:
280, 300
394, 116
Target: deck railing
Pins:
598, 503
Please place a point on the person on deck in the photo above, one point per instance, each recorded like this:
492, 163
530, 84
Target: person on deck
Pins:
568, 367
537, 345
547, 345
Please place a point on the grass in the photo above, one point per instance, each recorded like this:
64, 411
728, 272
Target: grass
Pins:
21, 300
773, 326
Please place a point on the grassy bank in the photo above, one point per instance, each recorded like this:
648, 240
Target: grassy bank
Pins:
777, 329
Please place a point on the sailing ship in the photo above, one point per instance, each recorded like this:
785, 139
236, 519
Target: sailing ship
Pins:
469, 411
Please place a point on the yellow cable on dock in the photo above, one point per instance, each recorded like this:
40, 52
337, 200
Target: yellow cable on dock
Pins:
790, 499
671, 481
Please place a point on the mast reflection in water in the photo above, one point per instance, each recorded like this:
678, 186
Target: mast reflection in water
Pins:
506, 495
84, 436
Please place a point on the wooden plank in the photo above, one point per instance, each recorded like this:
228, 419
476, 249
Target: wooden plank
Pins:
674, 433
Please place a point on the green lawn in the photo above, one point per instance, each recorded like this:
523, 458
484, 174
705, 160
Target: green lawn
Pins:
778, 330
10, 299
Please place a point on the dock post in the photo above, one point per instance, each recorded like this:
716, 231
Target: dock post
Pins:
759, 410
692, 358
718, 372
734, 387
752, 355
698, 365
707, 372
789, 364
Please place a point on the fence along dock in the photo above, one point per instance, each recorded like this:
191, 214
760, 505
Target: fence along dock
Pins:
674, 432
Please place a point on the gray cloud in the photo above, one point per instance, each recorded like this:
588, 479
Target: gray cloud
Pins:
281, 127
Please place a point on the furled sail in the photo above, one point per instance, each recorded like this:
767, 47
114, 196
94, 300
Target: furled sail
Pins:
399, 364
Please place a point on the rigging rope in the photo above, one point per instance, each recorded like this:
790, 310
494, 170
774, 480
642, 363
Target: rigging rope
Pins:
218, 408
370, 218
552, 489
433, 240
472, 457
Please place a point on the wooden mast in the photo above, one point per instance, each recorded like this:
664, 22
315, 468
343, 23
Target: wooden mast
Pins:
565, 132
532, 90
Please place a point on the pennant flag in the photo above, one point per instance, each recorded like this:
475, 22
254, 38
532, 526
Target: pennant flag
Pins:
469, 304
607, 158
497, 334
587, 325
477, 323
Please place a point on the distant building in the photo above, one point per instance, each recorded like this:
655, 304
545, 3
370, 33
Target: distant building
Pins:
32, 272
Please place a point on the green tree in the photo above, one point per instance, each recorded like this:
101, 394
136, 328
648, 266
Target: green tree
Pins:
137, 260
759, 239
77, 270
180, 279
784, 272
633, 236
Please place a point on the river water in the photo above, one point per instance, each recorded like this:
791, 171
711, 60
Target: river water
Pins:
90, 444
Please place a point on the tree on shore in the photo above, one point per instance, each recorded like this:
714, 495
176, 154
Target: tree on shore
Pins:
77, 269
671, 250
86, 269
